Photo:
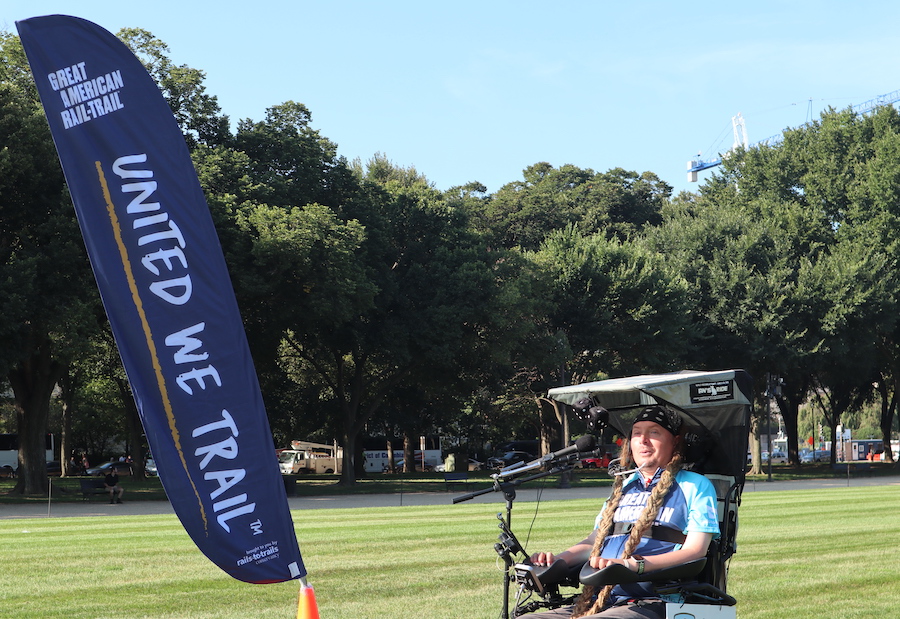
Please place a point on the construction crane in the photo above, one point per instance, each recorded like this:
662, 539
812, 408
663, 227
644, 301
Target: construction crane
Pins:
740, 134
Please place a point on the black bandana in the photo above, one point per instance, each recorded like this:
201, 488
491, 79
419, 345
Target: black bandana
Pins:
668, 419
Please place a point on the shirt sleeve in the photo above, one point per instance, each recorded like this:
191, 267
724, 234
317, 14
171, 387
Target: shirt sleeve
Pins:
702, 505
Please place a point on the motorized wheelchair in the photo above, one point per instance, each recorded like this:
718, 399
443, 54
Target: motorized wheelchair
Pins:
715, 409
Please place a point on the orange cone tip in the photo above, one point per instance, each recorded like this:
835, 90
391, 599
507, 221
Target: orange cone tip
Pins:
306, 604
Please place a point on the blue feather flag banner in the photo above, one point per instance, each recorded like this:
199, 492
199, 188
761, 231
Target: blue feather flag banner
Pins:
166, 290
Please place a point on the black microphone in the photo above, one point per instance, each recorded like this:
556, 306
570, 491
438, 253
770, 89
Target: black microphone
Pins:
588, 442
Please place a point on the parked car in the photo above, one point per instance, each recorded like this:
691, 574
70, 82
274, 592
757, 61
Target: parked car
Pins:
398, 464
474, 465
7, 471
600, 462
509, 458
122, 468
150, 467
778, 457
816, 456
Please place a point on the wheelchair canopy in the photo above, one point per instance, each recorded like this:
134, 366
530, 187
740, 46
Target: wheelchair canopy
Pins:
715, 406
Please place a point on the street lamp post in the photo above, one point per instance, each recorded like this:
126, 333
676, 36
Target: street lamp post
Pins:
769, 421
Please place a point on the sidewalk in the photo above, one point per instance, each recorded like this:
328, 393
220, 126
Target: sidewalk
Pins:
99, 507
523, 495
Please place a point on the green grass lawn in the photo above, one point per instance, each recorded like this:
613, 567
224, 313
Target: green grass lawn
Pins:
801, 553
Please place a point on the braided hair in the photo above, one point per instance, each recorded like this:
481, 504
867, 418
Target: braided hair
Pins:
586, 603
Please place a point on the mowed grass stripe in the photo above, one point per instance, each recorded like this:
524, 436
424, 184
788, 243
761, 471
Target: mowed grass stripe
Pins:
826, 553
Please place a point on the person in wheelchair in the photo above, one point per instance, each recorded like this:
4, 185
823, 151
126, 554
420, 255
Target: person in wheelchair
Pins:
657, 517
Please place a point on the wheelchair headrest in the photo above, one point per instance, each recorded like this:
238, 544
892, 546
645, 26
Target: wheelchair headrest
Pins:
698, 447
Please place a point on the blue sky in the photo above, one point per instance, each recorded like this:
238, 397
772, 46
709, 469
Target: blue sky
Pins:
478, 91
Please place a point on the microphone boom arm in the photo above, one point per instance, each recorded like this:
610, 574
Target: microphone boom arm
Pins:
508, 488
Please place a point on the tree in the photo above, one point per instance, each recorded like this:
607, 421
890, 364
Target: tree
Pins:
860, 302
290, 163
388, 291
436, 286
197, 113
740, 253
49, 301
842, 170
47, 297
617, 203
621, 308
781, 247
522, 216
875, 221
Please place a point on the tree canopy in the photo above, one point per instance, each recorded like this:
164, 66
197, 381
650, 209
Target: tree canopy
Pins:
375, 302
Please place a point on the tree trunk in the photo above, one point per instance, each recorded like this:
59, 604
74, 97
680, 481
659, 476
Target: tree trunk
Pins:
135, 428
32, 381
755, 450
790, 413
548, 421
353, 425
67, 465
359, 462
409, 456
888, 410
390, 454
348, 474
350, 394
793, 393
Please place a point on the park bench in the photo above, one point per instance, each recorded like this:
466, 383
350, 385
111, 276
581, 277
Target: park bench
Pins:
852, 467
90, 487
456, 478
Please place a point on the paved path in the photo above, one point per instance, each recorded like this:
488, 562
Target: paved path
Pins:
523, 494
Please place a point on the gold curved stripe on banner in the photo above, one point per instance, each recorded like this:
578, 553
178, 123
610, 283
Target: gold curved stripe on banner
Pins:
151, 345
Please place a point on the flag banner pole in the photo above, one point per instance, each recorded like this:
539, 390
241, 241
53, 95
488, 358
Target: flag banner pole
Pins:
166, 290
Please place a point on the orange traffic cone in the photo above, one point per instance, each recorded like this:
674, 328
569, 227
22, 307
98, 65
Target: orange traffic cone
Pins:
306, 603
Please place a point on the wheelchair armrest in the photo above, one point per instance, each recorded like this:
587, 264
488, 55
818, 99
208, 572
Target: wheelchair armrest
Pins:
561, 570
553, 573
558, 572
617, 574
